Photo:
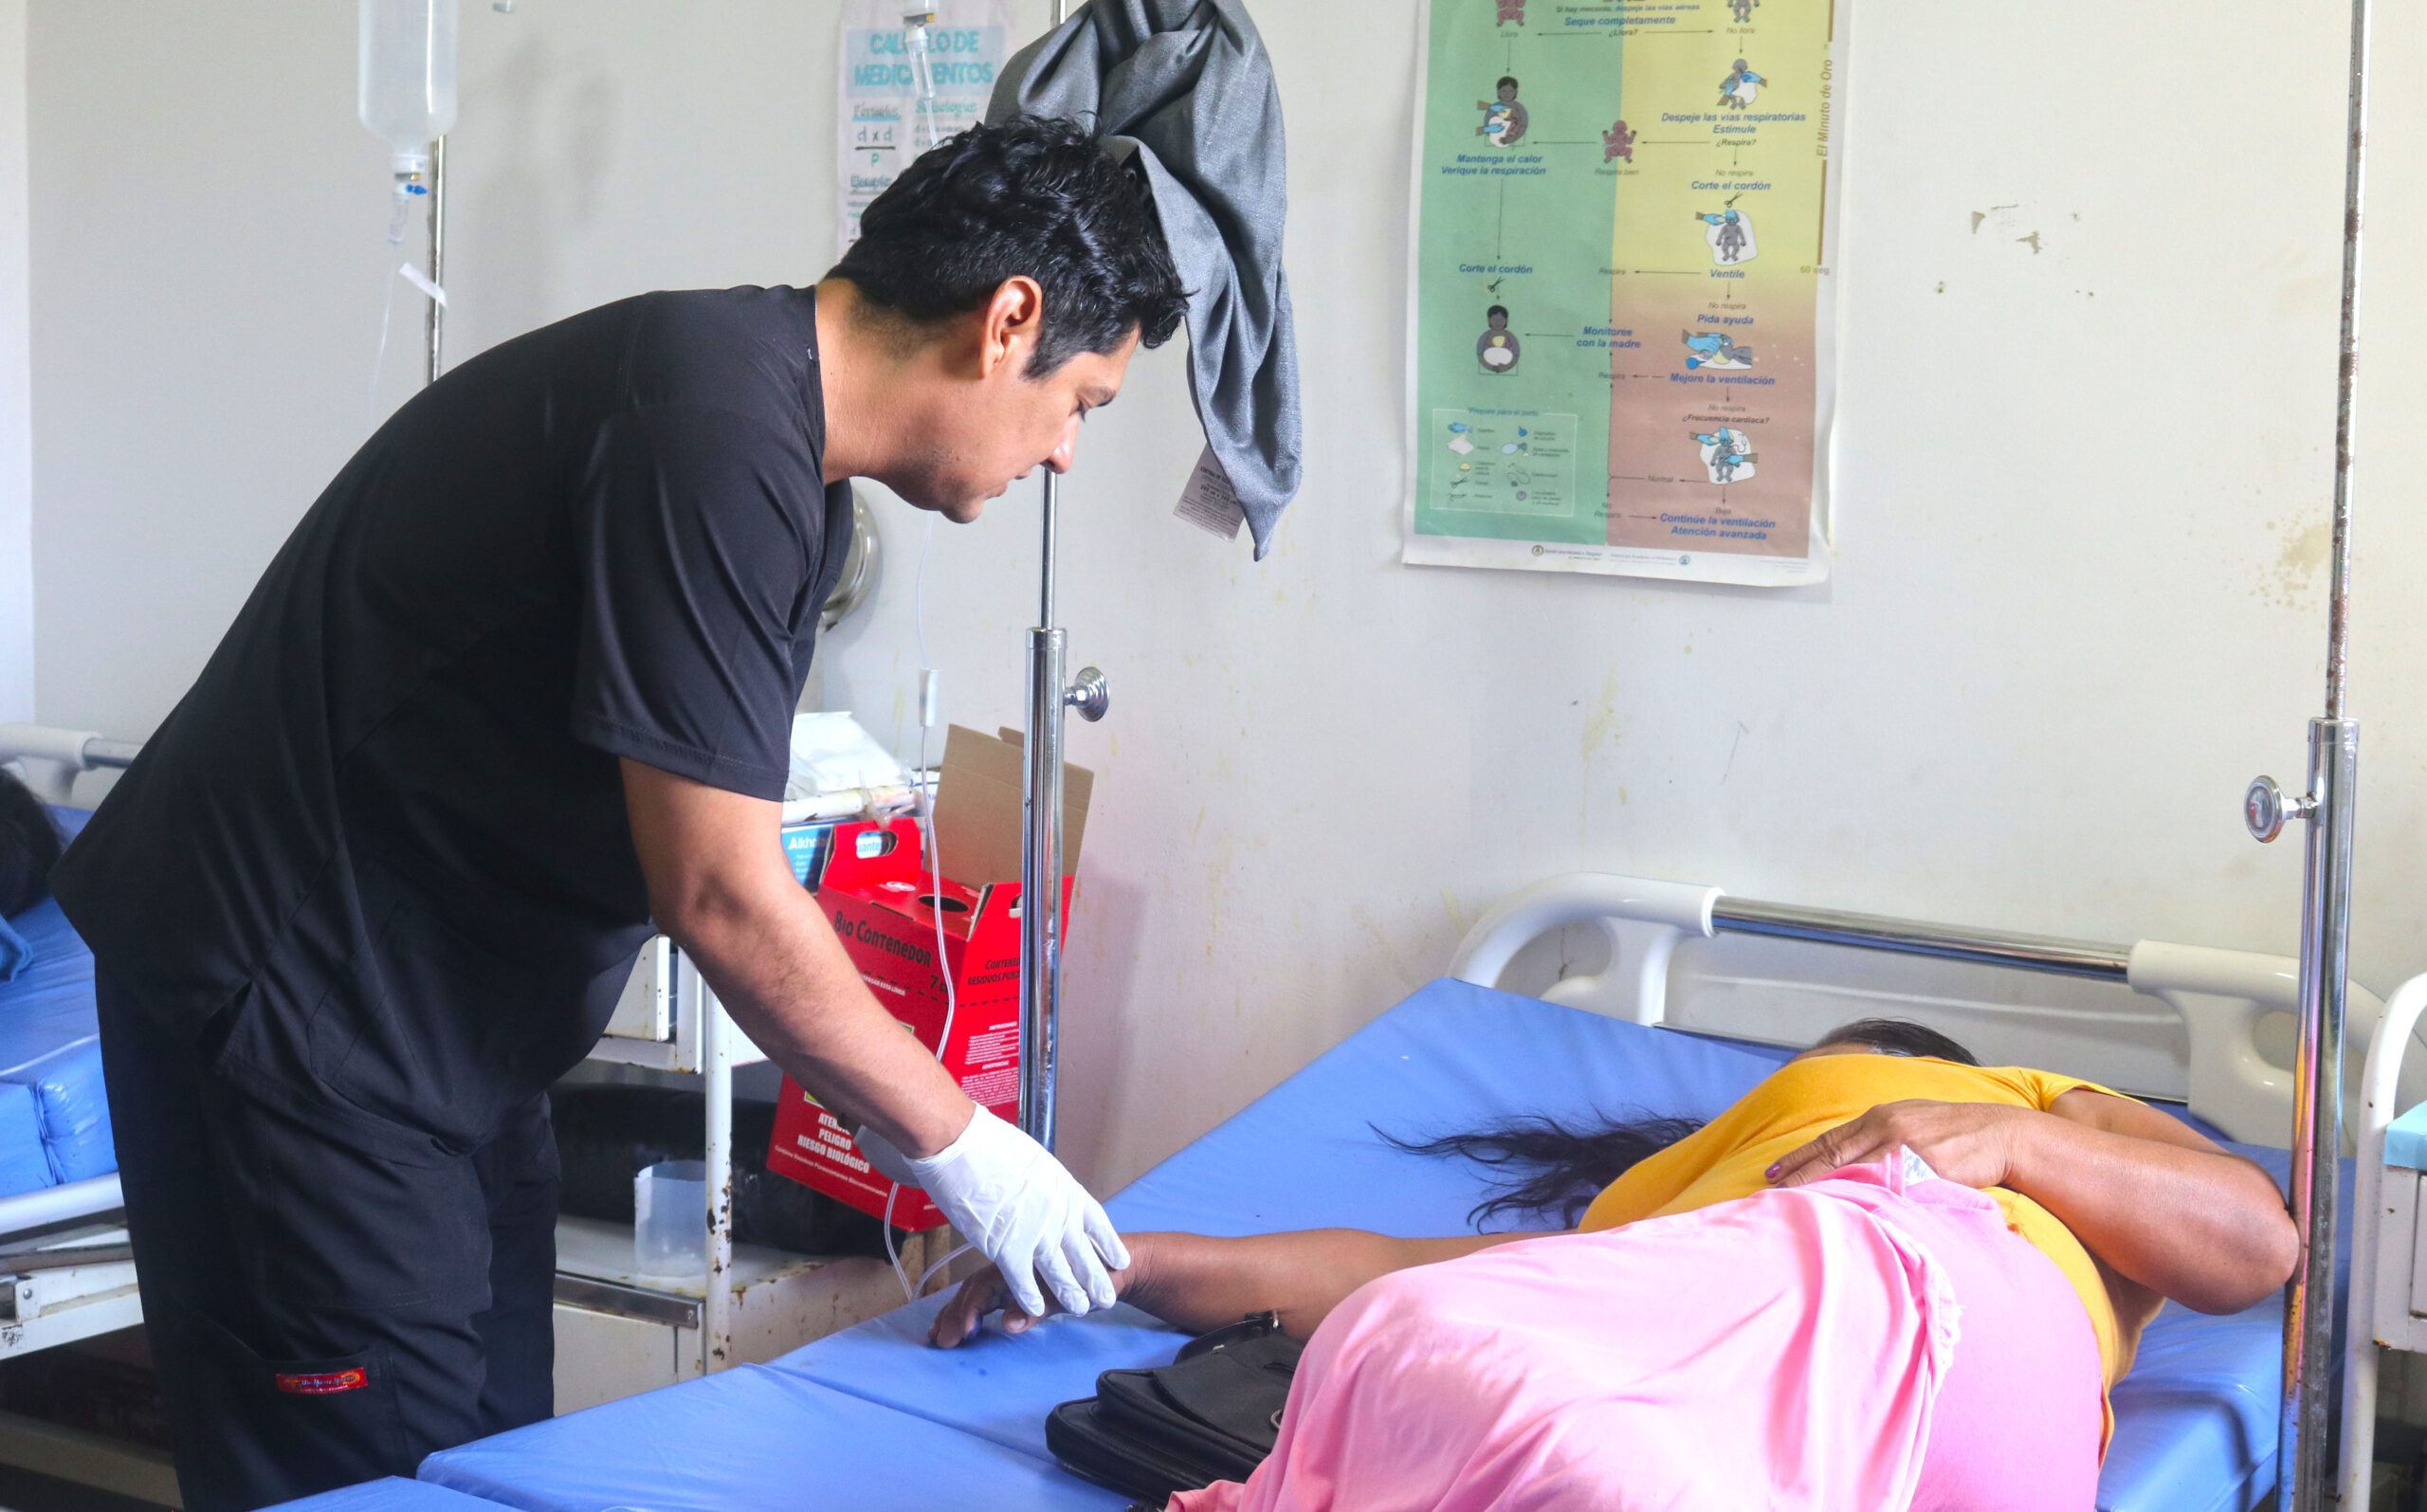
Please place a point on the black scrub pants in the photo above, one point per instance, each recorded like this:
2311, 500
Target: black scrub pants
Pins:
323, 1308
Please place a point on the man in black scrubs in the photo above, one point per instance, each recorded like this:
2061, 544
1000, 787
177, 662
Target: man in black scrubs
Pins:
518, 690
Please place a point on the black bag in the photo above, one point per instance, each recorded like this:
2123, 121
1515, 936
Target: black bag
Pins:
1212, 1415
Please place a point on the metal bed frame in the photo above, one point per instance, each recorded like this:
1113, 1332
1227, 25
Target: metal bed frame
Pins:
2221, 996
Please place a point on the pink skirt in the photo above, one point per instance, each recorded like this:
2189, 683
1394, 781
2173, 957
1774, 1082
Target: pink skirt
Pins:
1862, 1344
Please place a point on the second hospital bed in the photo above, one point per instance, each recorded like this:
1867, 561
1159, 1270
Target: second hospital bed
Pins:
872, 1418
64, 1275
54, 1116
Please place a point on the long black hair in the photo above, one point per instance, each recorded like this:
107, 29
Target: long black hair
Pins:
1546, 1166
28, 846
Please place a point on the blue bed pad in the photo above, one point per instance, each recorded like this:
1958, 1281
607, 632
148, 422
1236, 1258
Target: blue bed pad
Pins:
54, 1115
753, 1437
2195, 1420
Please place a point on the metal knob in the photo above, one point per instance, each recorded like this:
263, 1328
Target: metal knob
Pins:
1091, 696
2267, 809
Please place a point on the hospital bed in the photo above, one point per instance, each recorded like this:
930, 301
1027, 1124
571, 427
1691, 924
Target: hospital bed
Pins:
872, 1418
54, 1116
65, 1274
57, 1160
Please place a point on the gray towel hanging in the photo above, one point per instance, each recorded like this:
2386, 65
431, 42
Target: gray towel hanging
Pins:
1185, 88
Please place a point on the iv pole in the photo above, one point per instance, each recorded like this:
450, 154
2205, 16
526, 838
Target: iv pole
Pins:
437, 247
1048, 699
2304, 1474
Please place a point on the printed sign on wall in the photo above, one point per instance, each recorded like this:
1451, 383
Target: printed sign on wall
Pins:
884, 119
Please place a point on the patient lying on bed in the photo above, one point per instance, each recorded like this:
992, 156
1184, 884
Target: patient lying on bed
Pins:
1887, 1277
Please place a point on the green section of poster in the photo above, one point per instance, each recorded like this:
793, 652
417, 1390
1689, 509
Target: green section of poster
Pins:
1512, 305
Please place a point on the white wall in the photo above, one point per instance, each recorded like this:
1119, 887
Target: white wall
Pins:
2079, 601
16, 420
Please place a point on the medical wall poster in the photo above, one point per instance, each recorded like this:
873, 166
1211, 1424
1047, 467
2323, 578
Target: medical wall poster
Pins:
878, 130
1620, 355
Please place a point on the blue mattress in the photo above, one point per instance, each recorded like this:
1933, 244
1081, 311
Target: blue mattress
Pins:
2195, 1420
393, 1495
54, 1115
753, 1437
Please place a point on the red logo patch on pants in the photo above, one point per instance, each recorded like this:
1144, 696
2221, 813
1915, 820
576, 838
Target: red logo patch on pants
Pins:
325, 1383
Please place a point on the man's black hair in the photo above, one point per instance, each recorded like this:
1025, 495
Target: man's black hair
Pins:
1507, 82
1033, 196
1500, 310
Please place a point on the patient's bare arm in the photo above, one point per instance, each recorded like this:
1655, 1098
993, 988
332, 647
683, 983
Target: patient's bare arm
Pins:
2160, 1203
1198, 1283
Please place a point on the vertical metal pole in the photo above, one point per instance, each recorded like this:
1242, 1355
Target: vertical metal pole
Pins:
716, 1061
2348, 374
2303, 1477
1041, 885
2301, 1464
437, 249
1041, 854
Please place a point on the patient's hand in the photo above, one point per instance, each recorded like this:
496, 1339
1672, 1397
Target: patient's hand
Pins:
1971, 1142
984, 1294
980, 1296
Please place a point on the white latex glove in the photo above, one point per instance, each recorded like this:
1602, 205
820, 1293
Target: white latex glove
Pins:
1013, 1200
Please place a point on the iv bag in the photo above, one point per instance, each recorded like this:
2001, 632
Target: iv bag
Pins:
407, 80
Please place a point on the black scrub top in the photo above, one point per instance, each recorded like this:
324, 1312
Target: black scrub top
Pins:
377, 863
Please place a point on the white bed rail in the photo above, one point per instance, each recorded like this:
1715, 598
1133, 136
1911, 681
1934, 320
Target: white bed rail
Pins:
1642, 920
2222, 996
2381, 1103
53, 759
46, 1206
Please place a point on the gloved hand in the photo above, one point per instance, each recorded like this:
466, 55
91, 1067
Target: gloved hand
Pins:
1013, 1200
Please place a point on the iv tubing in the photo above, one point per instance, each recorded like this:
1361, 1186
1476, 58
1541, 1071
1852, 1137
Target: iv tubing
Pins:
926, 792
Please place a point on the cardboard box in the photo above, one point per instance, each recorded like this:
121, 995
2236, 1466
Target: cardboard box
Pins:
876, 888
